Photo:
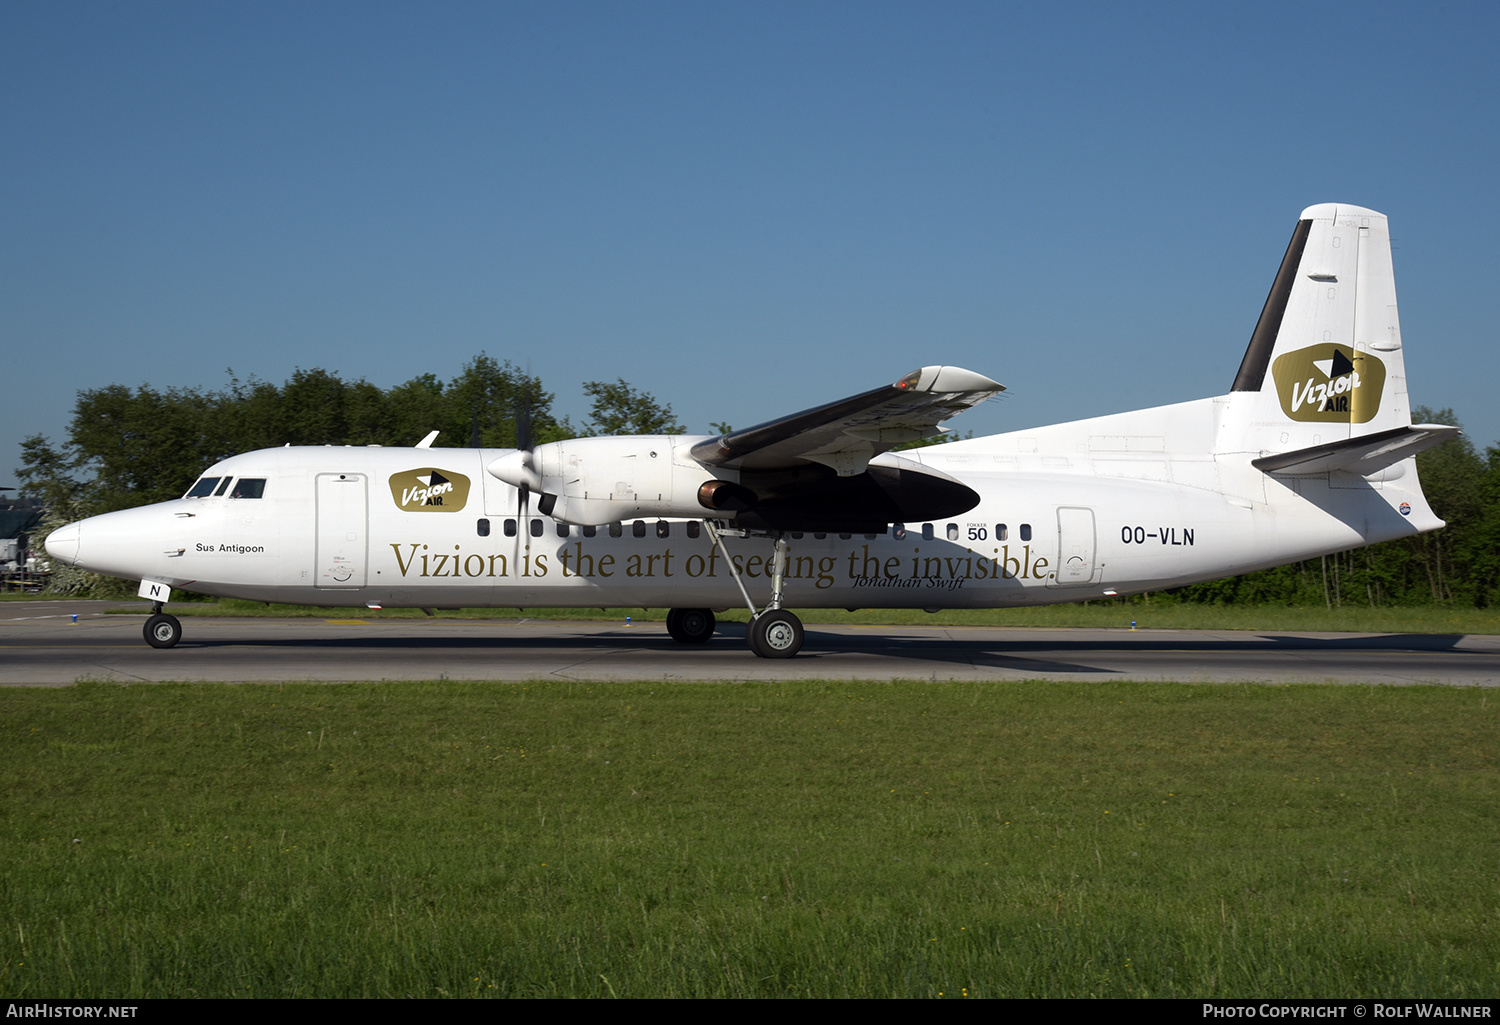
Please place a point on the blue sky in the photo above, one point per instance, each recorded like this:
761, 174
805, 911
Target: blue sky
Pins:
745, 209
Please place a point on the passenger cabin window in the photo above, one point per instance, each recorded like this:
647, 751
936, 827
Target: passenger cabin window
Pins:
953, 532
536, 528
898, 531
249, 487
510, 528
638, 528
1002, 533
223, 487
203, 488
562, 530
590, 530
1025, 532
927, 532
663, 528
694, 528
616, 530
483, 526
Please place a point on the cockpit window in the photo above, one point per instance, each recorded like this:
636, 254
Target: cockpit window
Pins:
249, 487
223, 487
203, 488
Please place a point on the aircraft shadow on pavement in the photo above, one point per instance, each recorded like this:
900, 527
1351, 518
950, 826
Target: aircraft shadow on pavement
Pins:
1025, 656
1004, 654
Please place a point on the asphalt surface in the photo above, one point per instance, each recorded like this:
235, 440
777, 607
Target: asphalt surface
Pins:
41, 644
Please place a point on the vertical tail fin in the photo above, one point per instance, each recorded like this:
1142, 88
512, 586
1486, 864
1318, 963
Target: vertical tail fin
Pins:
1325, 361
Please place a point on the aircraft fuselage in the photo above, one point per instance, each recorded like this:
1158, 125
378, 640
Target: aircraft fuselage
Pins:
1116, 514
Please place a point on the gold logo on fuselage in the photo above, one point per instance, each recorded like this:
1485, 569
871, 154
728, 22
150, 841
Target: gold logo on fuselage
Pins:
429, 490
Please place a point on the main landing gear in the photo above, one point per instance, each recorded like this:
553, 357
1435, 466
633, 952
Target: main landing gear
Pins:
162, 630
690, 626
773, 632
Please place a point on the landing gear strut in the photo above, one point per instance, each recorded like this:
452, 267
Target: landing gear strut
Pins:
162, 630
773, 632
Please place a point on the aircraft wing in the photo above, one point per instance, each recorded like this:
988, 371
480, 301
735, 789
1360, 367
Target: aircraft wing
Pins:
845, 435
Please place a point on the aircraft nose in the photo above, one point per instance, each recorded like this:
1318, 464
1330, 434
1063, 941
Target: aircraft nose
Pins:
62, 543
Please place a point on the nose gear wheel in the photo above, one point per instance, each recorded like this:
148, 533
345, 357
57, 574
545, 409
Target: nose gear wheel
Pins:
162, 630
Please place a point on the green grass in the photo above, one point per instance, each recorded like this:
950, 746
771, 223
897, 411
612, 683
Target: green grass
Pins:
813, 838
1100, 614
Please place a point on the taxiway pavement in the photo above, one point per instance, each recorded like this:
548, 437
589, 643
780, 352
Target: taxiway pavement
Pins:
42, 644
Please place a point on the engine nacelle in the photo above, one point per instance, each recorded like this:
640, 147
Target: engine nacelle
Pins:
593, 481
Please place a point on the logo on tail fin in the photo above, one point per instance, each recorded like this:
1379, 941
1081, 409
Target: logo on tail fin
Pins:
1329, 384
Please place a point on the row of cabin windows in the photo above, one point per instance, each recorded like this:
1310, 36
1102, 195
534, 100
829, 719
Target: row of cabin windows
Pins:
537, 527
215, 487
255, 487
638, 528
977, 532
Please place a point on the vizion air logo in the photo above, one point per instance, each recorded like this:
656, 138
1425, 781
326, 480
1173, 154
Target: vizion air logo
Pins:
429, 490
1329, 384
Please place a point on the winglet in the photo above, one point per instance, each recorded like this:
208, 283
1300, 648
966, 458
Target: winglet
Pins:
948, 379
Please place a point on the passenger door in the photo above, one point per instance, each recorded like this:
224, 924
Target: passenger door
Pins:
342, 549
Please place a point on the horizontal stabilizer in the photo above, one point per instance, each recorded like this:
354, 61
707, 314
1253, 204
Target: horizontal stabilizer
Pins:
1364, 455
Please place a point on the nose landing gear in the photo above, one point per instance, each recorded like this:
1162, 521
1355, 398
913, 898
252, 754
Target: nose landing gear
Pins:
161, 630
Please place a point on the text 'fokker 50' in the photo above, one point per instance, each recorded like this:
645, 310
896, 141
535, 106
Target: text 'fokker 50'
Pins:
1311, 451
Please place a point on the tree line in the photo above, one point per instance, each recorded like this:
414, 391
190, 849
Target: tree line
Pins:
129, 447
132, 447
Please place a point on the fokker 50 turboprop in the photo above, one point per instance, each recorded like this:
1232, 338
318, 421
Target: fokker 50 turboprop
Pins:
1310, 452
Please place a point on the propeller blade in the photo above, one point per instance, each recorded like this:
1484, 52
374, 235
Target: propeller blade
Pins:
523, 424
524, 444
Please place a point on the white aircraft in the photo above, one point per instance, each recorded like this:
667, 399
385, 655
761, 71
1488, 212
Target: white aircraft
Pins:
1309, 452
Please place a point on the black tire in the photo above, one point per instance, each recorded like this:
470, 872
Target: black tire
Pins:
691, 626
775, 634
162, 630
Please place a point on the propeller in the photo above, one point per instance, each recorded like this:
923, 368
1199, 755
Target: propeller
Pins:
518, 468
525, 447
